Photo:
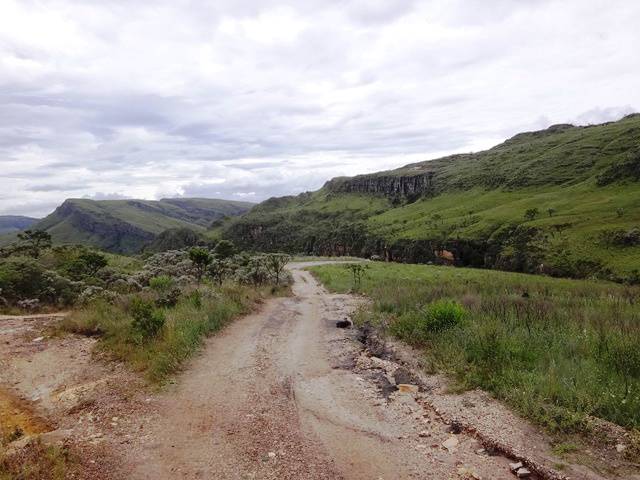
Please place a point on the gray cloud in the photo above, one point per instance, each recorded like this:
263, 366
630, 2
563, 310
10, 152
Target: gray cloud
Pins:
248, 99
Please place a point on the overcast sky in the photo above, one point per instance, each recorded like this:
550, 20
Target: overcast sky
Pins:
246, 99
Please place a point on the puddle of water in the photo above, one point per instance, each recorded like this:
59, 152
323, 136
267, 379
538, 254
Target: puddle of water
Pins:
15, 414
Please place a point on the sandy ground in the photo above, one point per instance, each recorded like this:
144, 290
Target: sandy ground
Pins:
280, 394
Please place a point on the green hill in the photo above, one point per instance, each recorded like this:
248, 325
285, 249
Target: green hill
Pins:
14, 223
564, 201
126, 226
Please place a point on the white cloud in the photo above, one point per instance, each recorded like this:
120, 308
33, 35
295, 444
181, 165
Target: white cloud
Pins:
247, 99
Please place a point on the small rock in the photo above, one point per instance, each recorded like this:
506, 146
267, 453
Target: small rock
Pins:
451, 444
271, 454
514, 467
523, 473
343, 324
620, 448
402, 376
39, 339
424, 434
455, 427
481, 451
407, 388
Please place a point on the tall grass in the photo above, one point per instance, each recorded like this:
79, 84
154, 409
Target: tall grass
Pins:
196, 315
557, 350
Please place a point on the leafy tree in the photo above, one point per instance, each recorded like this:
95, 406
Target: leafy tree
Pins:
551, 211
224, 249
87, 264
531, 214
275, 264
33, 242
201, 258
620, 212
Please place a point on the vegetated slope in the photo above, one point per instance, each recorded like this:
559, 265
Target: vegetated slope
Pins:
14, 223
580, 186
125, 226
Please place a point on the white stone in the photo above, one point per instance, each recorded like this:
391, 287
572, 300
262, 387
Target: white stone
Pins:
451, 444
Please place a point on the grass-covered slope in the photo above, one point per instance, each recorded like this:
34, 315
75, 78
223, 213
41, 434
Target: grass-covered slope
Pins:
14, 223
580, 186
125, 226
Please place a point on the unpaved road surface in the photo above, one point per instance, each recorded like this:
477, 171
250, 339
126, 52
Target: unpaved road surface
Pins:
280, 394
272, 397
284, 394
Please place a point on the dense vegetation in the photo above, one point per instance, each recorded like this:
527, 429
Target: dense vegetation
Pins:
127, 226
541, 202
161, 316
557, 350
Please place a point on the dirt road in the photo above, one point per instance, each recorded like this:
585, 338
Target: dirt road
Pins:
275, 396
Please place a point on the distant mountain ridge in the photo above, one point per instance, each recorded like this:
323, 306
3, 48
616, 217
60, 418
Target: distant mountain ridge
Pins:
126, 226
14, 223
563, 200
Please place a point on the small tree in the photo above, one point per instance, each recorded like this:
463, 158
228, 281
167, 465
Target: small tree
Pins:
357, 270
620, 212
531, 214
275, 264
87, 264
224, 249
94, 262
33, 242
551, 211
201, 258
218, 270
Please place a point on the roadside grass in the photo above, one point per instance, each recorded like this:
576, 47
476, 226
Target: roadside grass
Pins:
317, 258
36, 462
556, 350
197, 314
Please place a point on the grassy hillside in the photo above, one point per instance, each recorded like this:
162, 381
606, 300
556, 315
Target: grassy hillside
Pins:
579, 185
125, 226
14, 223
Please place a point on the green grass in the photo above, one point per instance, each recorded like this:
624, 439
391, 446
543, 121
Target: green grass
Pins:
557, 350
196, 316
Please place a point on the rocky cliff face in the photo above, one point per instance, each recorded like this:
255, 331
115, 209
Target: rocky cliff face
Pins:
409, 186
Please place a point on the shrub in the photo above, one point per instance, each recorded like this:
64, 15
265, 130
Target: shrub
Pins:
162, 283
22, 277
224, 249
87, 264
444, 314
147, 320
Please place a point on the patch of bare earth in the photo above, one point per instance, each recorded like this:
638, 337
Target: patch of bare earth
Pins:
280, 394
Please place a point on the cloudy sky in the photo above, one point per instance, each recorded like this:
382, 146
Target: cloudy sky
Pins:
246, 99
